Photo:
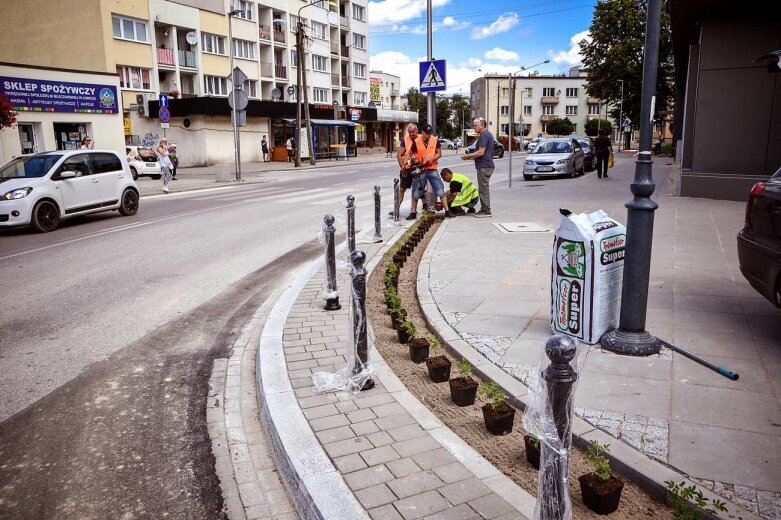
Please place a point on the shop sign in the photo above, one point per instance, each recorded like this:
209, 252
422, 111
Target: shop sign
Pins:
374, 89
128, 127
36, 95
355, 114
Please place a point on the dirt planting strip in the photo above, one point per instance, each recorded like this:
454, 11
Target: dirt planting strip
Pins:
505, 452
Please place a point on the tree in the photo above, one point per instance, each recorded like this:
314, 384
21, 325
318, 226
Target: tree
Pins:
417, 103
7, 114
615, 52
560, 127
592, 125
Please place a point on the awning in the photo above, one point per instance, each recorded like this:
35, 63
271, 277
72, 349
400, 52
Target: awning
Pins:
322, 122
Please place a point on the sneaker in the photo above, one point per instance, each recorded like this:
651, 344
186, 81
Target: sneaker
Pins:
166, 190
483, 214
471, 210
449, 213
412, 216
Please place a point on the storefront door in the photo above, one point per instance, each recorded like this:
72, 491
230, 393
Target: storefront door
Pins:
69, 135
27, 138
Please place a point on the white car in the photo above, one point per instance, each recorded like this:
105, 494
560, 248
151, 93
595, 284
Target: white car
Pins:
41, 189
143, 161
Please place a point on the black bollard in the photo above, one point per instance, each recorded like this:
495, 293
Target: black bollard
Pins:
331, 304
559, 377
350, 224
396, 201
377, 223
360, 326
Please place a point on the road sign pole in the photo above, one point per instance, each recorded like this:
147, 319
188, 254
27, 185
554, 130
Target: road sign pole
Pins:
431, 101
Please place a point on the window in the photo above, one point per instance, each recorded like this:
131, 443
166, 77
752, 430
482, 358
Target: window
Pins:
360, 98
212, 43
319, 31
105, 163
247, 9
572, 92
360, 70
505, 92
549, 91
504, 128
294, 58
80, 164
593, 110
547, 110
320, 95
571, 110
128, 29
527, 110
215, 86
294, 22
319, 63
504, 110
359, 42
134, 77
243, 49
545, 128
250, 87
574, 128
359, 12
529, 92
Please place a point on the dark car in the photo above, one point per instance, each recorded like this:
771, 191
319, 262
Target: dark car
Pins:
759, 243
498, 149
587, 144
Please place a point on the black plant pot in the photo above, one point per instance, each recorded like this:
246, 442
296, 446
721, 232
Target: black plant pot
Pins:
398, 317
463, 390
398, 259
532, 451
438, 368
499, 421
418, 350
403, 336
601, 496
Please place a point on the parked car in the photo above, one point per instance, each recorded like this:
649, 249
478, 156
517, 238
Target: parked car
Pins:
143, 161
554, 157
41, 189
587, 144
498, 149
447, 144
759, 242
532, 144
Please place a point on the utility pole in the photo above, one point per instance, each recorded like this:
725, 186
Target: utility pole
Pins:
302, 65
299, 67
431, 100
511, 81
234, 87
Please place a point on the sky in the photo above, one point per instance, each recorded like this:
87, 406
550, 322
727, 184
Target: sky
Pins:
477, 37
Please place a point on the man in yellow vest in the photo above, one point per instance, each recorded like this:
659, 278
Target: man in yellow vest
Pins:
427, 152
462, 194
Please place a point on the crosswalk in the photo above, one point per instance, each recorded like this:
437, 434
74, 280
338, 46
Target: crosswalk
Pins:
330, 196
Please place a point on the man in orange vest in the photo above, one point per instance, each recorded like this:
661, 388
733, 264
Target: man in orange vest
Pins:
427, 151
403, 155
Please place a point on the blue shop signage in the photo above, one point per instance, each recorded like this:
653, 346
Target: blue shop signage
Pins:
36, 95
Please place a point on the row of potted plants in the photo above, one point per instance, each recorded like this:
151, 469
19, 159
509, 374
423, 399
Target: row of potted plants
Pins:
600, 489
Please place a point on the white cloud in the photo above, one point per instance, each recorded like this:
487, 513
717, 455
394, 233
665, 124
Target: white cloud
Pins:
386, 11
497, 53
447, 24
502, 24
571, 57
448, 21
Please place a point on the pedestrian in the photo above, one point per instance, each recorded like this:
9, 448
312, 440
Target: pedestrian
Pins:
174, 157
86, 143
264, 148
602, 150
403, 156
462, 192
291, 147
428, 151
165, 162
482, 154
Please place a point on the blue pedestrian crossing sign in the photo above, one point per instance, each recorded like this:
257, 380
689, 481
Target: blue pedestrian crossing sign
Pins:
433, 76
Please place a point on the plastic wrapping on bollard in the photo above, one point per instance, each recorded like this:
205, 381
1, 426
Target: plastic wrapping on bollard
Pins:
549, 418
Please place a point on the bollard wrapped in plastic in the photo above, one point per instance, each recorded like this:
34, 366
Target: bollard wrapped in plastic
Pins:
549, 418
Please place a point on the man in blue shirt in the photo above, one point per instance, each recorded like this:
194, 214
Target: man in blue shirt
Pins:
484, 164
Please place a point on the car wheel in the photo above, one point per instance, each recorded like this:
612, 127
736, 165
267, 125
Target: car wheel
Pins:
501, 154
582, 170
527, 177
134, 172
449, 147
129, 204
45, 217
156, 177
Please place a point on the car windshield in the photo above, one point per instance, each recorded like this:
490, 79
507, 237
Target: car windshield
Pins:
585, 144
553, 147
777, 176
29, 167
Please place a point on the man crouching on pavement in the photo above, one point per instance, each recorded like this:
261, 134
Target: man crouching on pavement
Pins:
462, 193
428, 154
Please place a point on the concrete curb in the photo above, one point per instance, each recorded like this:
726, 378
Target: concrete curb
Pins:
625, 460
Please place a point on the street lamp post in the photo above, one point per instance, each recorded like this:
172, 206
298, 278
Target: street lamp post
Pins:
631, 337
621, 116
234, 112
511, 79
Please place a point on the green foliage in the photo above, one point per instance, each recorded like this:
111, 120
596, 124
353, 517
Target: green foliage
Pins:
435, 345
682, 495
595, 454
593, 125
394, 302
560, 127
614, 51
452, 113
464, 367
534, 441
408, 327
493, 393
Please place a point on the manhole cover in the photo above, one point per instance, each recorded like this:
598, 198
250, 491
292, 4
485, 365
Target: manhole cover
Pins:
522, 227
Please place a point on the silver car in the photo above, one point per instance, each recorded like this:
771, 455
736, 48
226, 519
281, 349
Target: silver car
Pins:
554, 157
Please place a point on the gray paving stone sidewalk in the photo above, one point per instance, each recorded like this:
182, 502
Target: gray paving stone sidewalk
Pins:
493, 288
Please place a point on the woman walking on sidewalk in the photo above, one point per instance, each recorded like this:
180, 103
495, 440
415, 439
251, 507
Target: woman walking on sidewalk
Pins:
602, 150
165, 162
172, 155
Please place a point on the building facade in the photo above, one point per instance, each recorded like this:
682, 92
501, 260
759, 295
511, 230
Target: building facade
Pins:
538, 100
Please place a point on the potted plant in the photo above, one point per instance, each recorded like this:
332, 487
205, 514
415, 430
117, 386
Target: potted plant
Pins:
406, 331
532, 445
463, 389
398, 316
418, 349
689, 502
398, 258
439, 365
497, 414
391, 275
390, 295
600, 489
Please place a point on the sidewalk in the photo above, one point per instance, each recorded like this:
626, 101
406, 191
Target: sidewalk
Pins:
492, 294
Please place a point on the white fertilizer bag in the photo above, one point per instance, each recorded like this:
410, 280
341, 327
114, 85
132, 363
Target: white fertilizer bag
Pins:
587, 271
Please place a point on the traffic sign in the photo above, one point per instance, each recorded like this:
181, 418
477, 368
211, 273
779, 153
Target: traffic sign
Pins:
164, 114
238, 77
238, 99
433, 76
163, 100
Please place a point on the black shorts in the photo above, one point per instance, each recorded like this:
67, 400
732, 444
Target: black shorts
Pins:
405, 181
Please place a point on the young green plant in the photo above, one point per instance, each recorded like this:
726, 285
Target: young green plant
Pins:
435, 345
493, 393
682, 496
408, 327
595, 455
464, 367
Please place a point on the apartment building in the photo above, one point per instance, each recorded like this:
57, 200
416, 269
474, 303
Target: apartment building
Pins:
183, 48
538, 100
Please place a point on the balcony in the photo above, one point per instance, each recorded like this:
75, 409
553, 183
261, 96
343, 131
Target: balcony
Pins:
264, 32
165, 56
344, 22
394, 92
266, 69
280, 71
334, 80
593, 100
546, 118
549, 100
334, 48
279, 36
187, 95
345, 51
346, 81
187, 59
